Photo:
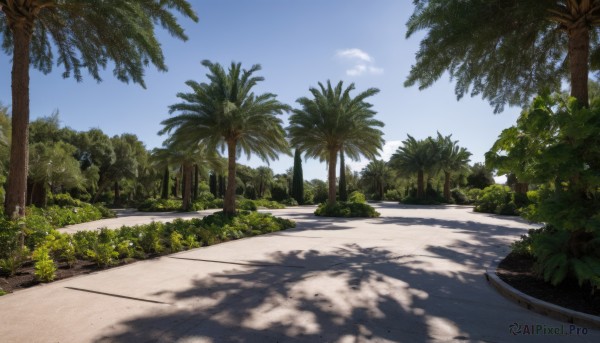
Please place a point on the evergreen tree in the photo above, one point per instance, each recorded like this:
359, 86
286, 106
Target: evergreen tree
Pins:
342, 182
298, 178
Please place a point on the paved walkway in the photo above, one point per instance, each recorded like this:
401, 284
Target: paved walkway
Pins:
413, 275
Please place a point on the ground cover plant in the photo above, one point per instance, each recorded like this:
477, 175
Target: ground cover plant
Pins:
47, 253
356, 206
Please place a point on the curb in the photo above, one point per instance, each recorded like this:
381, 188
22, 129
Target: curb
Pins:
537, 305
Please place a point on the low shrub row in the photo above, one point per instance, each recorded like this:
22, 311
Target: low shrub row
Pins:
346, 209
167, 205
108, 247
502, 200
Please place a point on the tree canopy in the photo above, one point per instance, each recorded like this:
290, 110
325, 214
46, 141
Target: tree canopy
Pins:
506, 50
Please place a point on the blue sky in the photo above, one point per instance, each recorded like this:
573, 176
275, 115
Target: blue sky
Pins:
298, 43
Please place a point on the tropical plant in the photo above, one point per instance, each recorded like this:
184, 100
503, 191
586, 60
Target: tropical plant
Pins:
377, 175
334, 120
122, 32
507, 50
453, 159
417, 157
226, 113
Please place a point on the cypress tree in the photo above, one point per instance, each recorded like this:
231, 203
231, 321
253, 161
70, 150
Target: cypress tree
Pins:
298, 178
343, 188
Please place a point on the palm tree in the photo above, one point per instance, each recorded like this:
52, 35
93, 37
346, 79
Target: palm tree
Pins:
262, 179
452, 159
225, 113
86, 34
377, 173
186, 157
333, 120
417, 157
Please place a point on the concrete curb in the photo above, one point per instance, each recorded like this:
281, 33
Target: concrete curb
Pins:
537, 305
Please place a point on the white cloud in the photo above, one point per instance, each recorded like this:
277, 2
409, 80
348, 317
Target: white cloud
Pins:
354, 54
361, 62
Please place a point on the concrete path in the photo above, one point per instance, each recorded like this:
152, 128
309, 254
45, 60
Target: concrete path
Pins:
413, 275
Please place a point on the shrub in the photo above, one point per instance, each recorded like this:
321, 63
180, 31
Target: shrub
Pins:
61, 247
247, 205
474, 194
160, 205
494, 199
288, 202
45, 268
64, 200
150, 239
272, 204
459, 196
392, 195
357, 197
346, 209
175, 242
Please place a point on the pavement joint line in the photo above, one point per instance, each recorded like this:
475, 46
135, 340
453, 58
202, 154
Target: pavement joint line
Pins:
537, 305
238, 263
117, 295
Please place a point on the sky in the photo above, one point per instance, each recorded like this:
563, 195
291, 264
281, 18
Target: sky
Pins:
298, 43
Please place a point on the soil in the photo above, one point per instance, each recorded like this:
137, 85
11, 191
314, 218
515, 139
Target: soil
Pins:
25, 277
517, 271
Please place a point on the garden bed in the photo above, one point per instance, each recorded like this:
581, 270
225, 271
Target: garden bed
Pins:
516, 270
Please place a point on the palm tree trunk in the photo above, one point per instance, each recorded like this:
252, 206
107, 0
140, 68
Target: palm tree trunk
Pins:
447, 186
164, 194
331, 177
196, 180
187, 187
420, 185
16, 189
579, 51
229, 203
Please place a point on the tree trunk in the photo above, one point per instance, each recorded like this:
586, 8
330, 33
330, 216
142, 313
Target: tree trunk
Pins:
117, 200
221, 186
342, 185
579, 52
331, 178
229, 203
447, 186
16, 189
420, 185
196, 178
187, 187
521, 187
212, 183
164, 194
176, 186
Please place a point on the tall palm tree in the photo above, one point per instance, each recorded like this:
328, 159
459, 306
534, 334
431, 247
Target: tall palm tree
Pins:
331, 120
84, 34
225, 113
417, 157
377, 174
262, 179
453, 159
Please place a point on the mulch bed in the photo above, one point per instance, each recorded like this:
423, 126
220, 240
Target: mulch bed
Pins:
516, 270
25, 277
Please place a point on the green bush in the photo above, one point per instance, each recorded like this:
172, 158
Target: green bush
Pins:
61, 247
474, 194
176, 242
392, 195
45, 268
64, 200
559, 256
496, 199
160, 205
288, 202
346, 209
357, 197
247, 205
459, 196
272, 204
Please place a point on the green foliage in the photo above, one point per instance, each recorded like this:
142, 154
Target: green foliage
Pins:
459, 196
495, 199
298, 179
556, 261
160, 205
357, 197
393, 195
150, 239
346, 209
333, 121
45, 268
176, 242
247, 205
272, 204
61, 247
287, 202
488, 51
474, 194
